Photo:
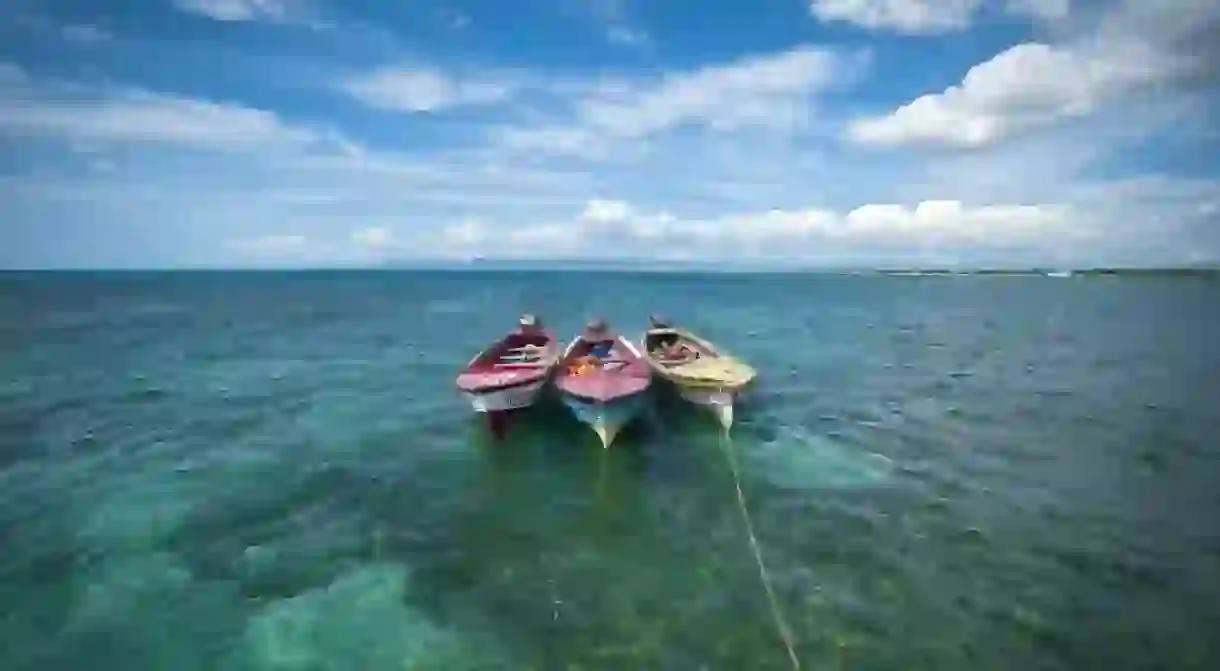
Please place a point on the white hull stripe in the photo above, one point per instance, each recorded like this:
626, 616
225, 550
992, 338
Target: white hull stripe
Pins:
510, 398
709, 398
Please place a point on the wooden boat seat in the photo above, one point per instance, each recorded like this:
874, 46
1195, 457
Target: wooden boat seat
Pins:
526, 354
690, 354
605, 364
529, 356
520, 364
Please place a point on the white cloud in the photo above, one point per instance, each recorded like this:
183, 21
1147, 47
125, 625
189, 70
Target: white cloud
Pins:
704, 161
423, 90
575, 140
46, 29
607, 217
472, 236
1141, 218
85, 34
69, 111
773, 92
951, 222
929, 17
570, 140
469, 233
1023, 88
544, 239
1136, 48
606, 212
617, 228
1045, 10
11, 74
376, 238
103, 166
613, 15
274, 245
237, 10
626, 36
144, 117
768, 91
905, 16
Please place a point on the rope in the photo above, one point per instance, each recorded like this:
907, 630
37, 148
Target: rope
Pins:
785, 632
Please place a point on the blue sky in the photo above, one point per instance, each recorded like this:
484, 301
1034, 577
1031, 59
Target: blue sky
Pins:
268, 133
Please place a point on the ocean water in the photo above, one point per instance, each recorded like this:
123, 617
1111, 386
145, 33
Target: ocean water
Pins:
274, 471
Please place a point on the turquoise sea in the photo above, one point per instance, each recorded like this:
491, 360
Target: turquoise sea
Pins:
274, 471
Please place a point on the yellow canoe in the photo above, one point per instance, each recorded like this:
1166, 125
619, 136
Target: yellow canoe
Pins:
703, 373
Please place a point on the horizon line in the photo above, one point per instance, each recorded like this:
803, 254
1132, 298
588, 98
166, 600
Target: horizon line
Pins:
485, 267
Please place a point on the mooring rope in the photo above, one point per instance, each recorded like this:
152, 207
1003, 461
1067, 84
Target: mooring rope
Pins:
785, 633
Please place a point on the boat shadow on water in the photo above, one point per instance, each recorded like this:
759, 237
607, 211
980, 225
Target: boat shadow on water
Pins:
672, 413
550, 448
549, 427
671, 441
666, 414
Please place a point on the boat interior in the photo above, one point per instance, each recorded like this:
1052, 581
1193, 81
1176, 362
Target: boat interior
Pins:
669, 348
609, 354
517, 351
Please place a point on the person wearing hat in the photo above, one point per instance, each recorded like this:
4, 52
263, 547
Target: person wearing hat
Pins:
530, 333
596, 334
529, 325
602, 343
669, 345
666, 340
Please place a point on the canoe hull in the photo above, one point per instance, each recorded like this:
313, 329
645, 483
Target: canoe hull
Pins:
509, 375
716, 388
606, 419
610, 396
719, 402
507, 398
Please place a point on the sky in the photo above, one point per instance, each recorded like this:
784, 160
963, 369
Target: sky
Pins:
300, 133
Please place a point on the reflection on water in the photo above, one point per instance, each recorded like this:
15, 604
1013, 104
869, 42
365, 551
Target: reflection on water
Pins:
800, 459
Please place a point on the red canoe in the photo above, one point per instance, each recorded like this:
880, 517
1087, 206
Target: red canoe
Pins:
512, 372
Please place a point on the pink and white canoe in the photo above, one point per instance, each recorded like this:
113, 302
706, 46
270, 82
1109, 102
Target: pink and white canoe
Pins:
603, 379
511, 373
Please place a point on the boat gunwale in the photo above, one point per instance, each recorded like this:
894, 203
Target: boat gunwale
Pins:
696, 384
524, 377
561, 377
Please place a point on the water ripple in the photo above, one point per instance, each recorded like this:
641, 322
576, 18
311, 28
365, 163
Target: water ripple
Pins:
228, 471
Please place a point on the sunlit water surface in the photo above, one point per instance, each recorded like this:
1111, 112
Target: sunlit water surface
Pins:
274, 471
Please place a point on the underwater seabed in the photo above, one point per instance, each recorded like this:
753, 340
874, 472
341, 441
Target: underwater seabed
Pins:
275, 473
786, 455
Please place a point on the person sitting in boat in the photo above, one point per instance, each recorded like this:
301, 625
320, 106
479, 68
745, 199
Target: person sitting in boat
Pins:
677, 350
597, 335
583, 365
664, 341
669, 346
529, 341
529, 325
